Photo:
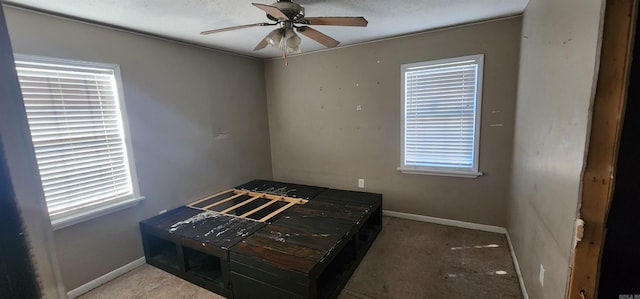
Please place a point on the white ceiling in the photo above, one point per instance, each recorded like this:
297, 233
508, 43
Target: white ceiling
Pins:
184, 19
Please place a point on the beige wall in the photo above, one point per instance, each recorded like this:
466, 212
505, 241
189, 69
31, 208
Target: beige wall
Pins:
318, 137
558, 67
178, 99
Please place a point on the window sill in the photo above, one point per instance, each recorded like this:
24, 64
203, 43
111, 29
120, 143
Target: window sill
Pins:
449, 173
94, 213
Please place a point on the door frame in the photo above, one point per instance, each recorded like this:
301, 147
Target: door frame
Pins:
598, 178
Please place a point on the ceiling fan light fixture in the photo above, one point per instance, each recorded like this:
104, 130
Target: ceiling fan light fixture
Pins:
290, 44
274, 38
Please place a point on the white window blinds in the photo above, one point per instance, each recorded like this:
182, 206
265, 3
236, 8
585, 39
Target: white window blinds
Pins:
77, 131
441, 101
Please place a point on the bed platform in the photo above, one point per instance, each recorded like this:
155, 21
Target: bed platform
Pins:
266, 239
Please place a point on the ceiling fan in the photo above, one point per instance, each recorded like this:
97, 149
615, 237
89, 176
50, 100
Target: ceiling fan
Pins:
290, 16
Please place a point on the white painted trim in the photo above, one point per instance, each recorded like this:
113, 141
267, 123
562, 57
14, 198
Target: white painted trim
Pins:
449, 222
450, 173
469, 225
78, 217
105, 278
476, 60
516, 265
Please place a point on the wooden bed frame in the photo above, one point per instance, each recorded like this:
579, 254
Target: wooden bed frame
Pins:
235, 193
266, 239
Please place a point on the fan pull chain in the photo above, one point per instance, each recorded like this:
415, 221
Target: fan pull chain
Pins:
286, 61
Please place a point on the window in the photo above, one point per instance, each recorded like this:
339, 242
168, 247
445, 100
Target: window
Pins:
441, 116
76, 117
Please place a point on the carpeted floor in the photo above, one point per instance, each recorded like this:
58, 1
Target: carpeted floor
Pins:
409, 259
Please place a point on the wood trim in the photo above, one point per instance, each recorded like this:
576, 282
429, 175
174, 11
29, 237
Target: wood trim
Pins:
227, 210
598, 178
272, 198
210, 197
220, 202
258, 208
276, 212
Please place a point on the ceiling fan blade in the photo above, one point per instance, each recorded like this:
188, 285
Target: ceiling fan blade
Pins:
336, 21
272, 10
318, 36
233, 28
263, 43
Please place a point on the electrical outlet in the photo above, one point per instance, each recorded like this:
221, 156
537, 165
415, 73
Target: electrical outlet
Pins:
541, 276
360, 183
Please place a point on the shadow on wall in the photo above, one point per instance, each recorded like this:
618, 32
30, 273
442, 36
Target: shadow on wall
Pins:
15, 262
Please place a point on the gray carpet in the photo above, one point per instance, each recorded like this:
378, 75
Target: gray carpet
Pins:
409, 259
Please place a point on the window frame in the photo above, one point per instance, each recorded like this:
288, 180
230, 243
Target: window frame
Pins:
116, 204
471, 172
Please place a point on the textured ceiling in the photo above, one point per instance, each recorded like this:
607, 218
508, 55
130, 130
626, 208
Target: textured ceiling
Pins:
184, 20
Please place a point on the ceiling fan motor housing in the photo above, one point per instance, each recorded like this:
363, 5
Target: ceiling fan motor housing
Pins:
293, 11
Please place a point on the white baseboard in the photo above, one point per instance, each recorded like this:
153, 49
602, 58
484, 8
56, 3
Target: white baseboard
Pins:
449, 222
516, 265
481, 227
469, 225
105, 278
